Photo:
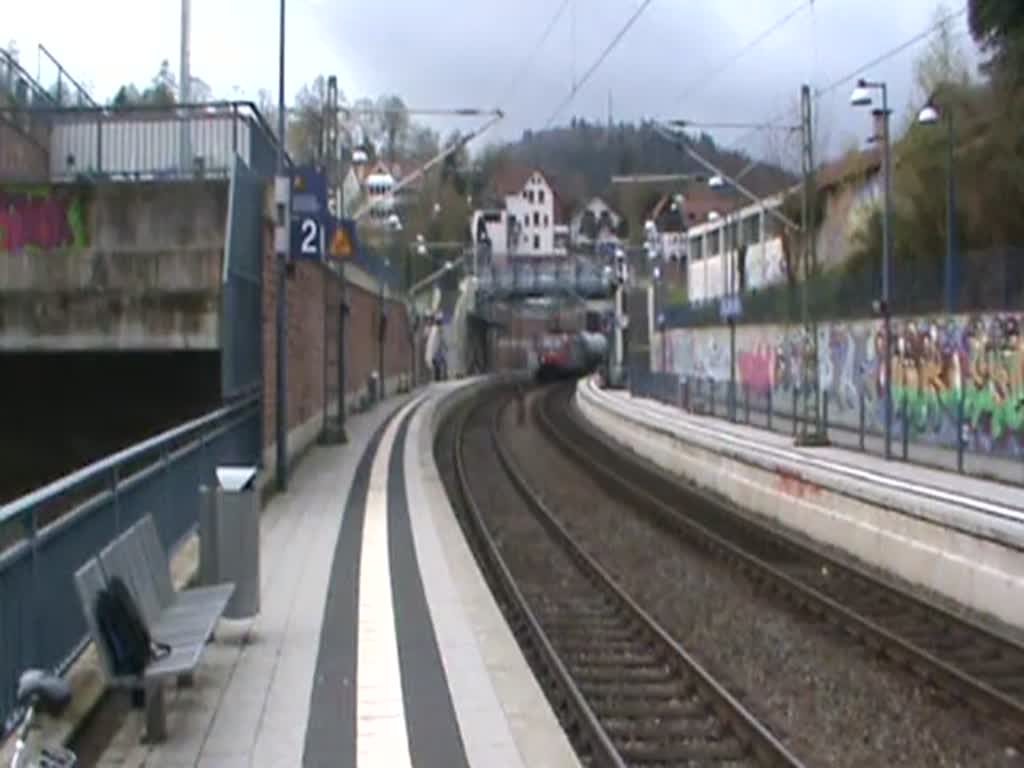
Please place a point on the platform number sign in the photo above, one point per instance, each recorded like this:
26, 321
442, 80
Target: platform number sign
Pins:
309, 212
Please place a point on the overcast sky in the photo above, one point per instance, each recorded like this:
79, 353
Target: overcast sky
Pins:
449, 53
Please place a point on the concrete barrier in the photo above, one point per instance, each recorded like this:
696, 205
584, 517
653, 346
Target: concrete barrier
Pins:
970, 556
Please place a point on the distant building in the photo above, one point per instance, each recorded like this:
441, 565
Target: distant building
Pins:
527, 219
594, 225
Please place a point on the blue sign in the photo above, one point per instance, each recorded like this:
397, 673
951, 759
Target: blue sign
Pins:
730, 307
309, 212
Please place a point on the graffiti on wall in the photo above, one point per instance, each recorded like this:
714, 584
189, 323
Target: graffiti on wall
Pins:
951, 376
42, 218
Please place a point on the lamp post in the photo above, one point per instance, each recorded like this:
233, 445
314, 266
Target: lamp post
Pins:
659, 308
728, 296
861, 97
281, 198
395, 226
930, 115
423, 252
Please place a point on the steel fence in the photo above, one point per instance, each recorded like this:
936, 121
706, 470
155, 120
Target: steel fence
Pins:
241, 325
143, 142
991, 279
964, 452
47, 535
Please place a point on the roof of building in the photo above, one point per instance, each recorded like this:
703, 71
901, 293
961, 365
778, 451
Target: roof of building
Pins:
851, 166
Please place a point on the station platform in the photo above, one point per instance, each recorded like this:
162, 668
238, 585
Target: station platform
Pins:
960, 537
378, 641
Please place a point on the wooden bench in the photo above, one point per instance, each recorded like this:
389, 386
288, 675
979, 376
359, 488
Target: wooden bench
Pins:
184, 620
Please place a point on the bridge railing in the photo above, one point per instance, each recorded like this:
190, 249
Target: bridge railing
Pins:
524, 279
45, 536
142, 142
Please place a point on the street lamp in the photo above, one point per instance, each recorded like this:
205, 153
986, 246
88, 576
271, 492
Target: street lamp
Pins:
861, 97
659, 301
395, 225
931, 115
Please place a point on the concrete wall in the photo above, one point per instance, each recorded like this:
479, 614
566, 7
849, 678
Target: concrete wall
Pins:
23, 151
974, 559
936, 362
111, 266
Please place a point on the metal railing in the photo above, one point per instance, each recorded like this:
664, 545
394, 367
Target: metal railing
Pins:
48, 534
524, 279
991, 279
148, 142
957, 446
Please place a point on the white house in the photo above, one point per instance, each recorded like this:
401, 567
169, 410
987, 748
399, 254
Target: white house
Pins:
533, 214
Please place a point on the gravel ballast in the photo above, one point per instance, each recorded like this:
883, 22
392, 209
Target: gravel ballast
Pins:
828, 698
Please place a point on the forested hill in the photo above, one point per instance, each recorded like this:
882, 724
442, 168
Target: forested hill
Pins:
584, 156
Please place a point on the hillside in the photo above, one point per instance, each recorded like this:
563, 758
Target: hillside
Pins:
583, 157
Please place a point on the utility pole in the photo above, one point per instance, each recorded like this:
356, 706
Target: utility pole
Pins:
334, 431
283, 190
810, 377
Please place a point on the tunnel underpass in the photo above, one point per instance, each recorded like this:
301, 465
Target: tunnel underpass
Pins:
61, 411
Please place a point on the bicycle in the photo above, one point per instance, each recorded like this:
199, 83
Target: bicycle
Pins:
42, 691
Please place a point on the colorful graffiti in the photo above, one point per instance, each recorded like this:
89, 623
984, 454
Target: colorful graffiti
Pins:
959, 377
41, 217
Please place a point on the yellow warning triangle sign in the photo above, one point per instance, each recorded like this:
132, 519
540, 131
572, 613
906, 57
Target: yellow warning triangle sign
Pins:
340, 245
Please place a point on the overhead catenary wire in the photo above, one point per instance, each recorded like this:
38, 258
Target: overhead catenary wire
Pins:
519, 78
859, 70
696, 84
597, 63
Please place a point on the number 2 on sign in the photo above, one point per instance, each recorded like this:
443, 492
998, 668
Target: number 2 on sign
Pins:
309, 236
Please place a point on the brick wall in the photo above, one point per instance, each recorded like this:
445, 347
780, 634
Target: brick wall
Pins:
306, 303
361, 338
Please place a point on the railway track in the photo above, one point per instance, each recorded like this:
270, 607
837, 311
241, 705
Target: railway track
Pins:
629, 694
966, 659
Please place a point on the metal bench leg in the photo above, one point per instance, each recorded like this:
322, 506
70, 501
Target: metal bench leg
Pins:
156, 714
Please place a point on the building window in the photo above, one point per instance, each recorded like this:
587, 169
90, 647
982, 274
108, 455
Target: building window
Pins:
713, 242
540, 196
752, 229
530, 195
536, 242
536, 219
545, 215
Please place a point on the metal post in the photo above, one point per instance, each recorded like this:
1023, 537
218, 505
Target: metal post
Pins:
770, 406
711, 386
811, 432
746, 401
342, 311
732, 368
282, 285
380, 333
886, 269
409, 317
906, 423
862, 415
960, 430
951, 289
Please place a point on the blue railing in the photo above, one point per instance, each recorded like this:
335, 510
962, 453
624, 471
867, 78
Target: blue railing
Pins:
524, 280
48, 534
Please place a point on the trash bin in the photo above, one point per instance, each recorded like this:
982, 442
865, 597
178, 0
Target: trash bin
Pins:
229, 539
